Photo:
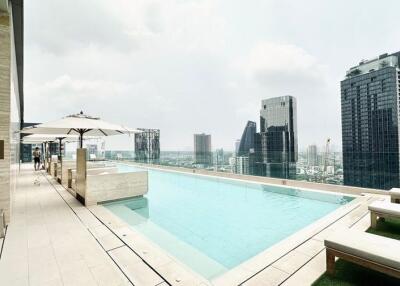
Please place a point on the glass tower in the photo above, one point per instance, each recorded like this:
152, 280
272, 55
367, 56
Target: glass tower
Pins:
370, 120
202, 149
147, 145
246, 145
277, 142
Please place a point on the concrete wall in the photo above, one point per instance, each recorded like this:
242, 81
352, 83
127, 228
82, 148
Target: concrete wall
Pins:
5, 109
109, 187
10, 112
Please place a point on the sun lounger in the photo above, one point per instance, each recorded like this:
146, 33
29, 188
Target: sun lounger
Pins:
368, 250
384, 210
395, 195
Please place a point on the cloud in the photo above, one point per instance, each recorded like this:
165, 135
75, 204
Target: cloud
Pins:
283, 67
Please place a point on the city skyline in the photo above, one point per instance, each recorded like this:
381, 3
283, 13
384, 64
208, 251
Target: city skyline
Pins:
227, 59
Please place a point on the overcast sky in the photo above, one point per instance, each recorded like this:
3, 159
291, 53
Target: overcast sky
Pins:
189, 66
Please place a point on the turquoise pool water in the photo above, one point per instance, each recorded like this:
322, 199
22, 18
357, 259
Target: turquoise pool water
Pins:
213, 225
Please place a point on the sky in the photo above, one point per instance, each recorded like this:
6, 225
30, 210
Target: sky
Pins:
193, 66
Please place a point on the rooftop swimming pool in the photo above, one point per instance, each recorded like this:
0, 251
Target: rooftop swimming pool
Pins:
214, 224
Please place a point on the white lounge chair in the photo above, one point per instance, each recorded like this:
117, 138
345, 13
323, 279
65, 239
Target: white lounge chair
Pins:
383, 209
395, 195
368, 250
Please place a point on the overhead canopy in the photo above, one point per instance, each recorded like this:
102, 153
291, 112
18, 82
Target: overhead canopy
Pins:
40, 138
80, 124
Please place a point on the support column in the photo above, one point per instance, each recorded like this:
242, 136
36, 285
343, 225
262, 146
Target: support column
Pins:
5, 110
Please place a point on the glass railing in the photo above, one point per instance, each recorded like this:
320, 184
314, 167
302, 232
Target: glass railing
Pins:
318, 170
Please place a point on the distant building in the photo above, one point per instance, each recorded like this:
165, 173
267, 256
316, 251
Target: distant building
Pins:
276, 148
219, 157
147, 145
242, 165
370, 123
312, 155
237, 145
202, 149
247, 147
246, 144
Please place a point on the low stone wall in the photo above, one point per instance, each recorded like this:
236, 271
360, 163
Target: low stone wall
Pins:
70, 164
109, 187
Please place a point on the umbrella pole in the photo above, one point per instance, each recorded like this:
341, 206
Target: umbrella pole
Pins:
81, 139
60, 158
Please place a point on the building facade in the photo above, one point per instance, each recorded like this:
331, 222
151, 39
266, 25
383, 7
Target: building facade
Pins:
276, 148
202, 149
219, 158
11, 98
147, 145
312, 155
370, 123
246, 145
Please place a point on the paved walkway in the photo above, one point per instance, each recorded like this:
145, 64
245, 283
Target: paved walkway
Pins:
47, 243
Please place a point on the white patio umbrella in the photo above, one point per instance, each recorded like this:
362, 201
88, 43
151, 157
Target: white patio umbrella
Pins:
79, 124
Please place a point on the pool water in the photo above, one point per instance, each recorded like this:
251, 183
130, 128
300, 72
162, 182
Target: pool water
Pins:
214, 224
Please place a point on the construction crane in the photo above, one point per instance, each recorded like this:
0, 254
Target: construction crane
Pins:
328, 141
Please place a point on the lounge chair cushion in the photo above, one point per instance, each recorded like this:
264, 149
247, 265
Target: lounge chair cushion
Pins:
385, 207
368, 246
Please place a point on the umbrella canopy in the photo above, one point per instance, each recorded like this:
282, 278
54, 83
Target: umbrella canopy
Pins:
79, 124
41, 138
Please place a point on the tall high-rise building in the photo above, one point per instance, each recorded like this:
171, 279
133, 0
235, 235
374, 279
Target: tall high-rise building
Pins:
147, 145
237, 145
202, 149
219, 158
246, 145
242, 165
312, 155
246, 149
370, 123
276, 149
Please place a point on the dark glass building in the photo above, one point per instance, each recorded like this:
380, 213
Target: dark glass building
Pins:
276, 145
370, 123
246, 145
147, 145
202, 149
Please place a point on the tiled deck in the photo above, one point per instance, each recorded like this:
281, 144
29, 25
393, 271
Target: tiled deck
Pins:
50, 242
54, 240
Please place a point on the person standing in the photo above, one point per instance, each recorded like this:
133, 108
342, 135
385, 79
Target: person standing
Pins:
36, 158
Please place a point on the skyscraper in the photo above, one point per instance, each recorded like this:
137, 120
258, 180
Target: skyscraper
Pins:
370, 123
312, 157
219, 158
246, 145
276, 148
202, 149
147, 145
247, 150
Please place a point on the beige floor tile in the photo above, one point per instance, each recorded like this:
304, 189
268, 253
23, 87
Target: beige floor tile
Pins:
309, 273
311, 247
270, 276
136, 270
291, 261
108, 275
